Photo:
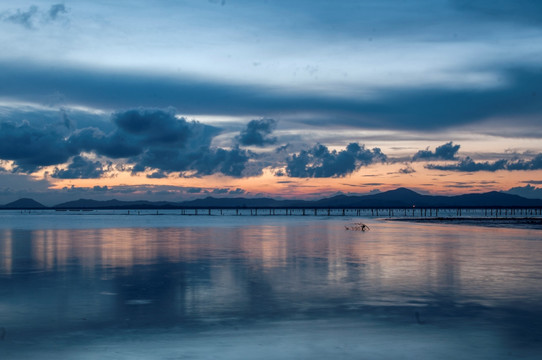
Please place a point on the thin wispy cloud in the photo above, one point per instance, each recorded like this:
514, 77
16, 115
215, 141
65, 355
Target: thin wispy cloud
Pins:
33, 16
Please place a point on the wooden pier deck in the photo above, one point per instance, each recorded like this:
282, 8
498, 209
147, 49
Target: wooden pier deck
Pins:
366, 212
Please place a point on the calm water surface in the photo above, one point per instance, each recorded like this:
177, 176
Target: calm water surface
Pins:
198, 287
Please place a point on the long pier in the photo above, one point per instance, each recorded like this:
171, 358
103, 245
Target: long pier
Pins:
367, 212
487, 212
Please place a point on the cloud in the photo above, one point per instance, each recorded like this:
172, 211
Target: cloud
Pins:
228, 162
158, 140
145, 132
157, 175
237, 191
258, 133
527, 191
13, 182
219, 191
320, 162
468, 165
223, 191
81, 168
146, 139
537, 182
421, 108
24, 18
407, 170
533, 164
56, 10
31, 147
157, 127
29, 18
443, 152
193, 190
114, 145
221, 2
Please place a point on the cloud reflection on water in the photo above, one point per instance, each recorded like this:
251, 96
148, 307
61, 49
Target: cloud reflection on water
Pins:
176, 276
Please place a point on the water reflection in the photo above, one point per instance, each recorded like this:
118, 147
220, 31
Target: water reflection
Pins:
139, 277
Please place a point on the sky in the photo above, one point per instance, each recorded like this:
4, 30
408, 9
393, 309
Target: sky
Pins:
175, 100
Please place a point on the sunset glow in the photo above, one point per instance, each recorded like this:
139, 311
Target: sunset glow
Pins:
189, 99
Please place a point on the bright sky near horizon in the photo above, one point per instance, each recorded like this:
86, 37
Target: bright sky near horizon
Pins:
181, 99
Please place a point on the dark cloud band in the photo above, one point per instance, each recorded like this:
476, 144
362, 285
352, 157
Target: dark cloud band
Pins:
469, 165
425, 109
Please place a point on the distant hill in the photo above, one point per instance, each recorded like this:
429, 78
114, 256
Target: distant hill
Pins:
25, 203
113, 204
407, 198
244, 203
398, 198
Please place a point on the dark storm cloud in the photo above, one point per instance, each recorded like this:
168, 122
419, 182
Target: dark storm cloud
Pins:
228, 162
68, 118
469, 165
258, 133
114, 145
143, 130
156, 127
147, 139
420, 108
320, 162
156, 139
443, 152
31, 147
193, 162
81, 168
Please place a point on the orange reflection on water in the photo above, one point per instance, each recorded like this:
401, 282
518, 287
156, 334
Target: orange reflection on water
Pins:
127, 247
264, 243
438, 258
392, 257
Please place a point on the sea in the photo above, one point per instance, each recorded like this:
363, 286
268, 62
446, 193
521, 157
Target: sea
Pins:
147, 285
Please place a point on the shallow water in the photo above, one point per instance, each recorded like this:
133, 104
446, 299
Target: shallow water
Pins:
112, 286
